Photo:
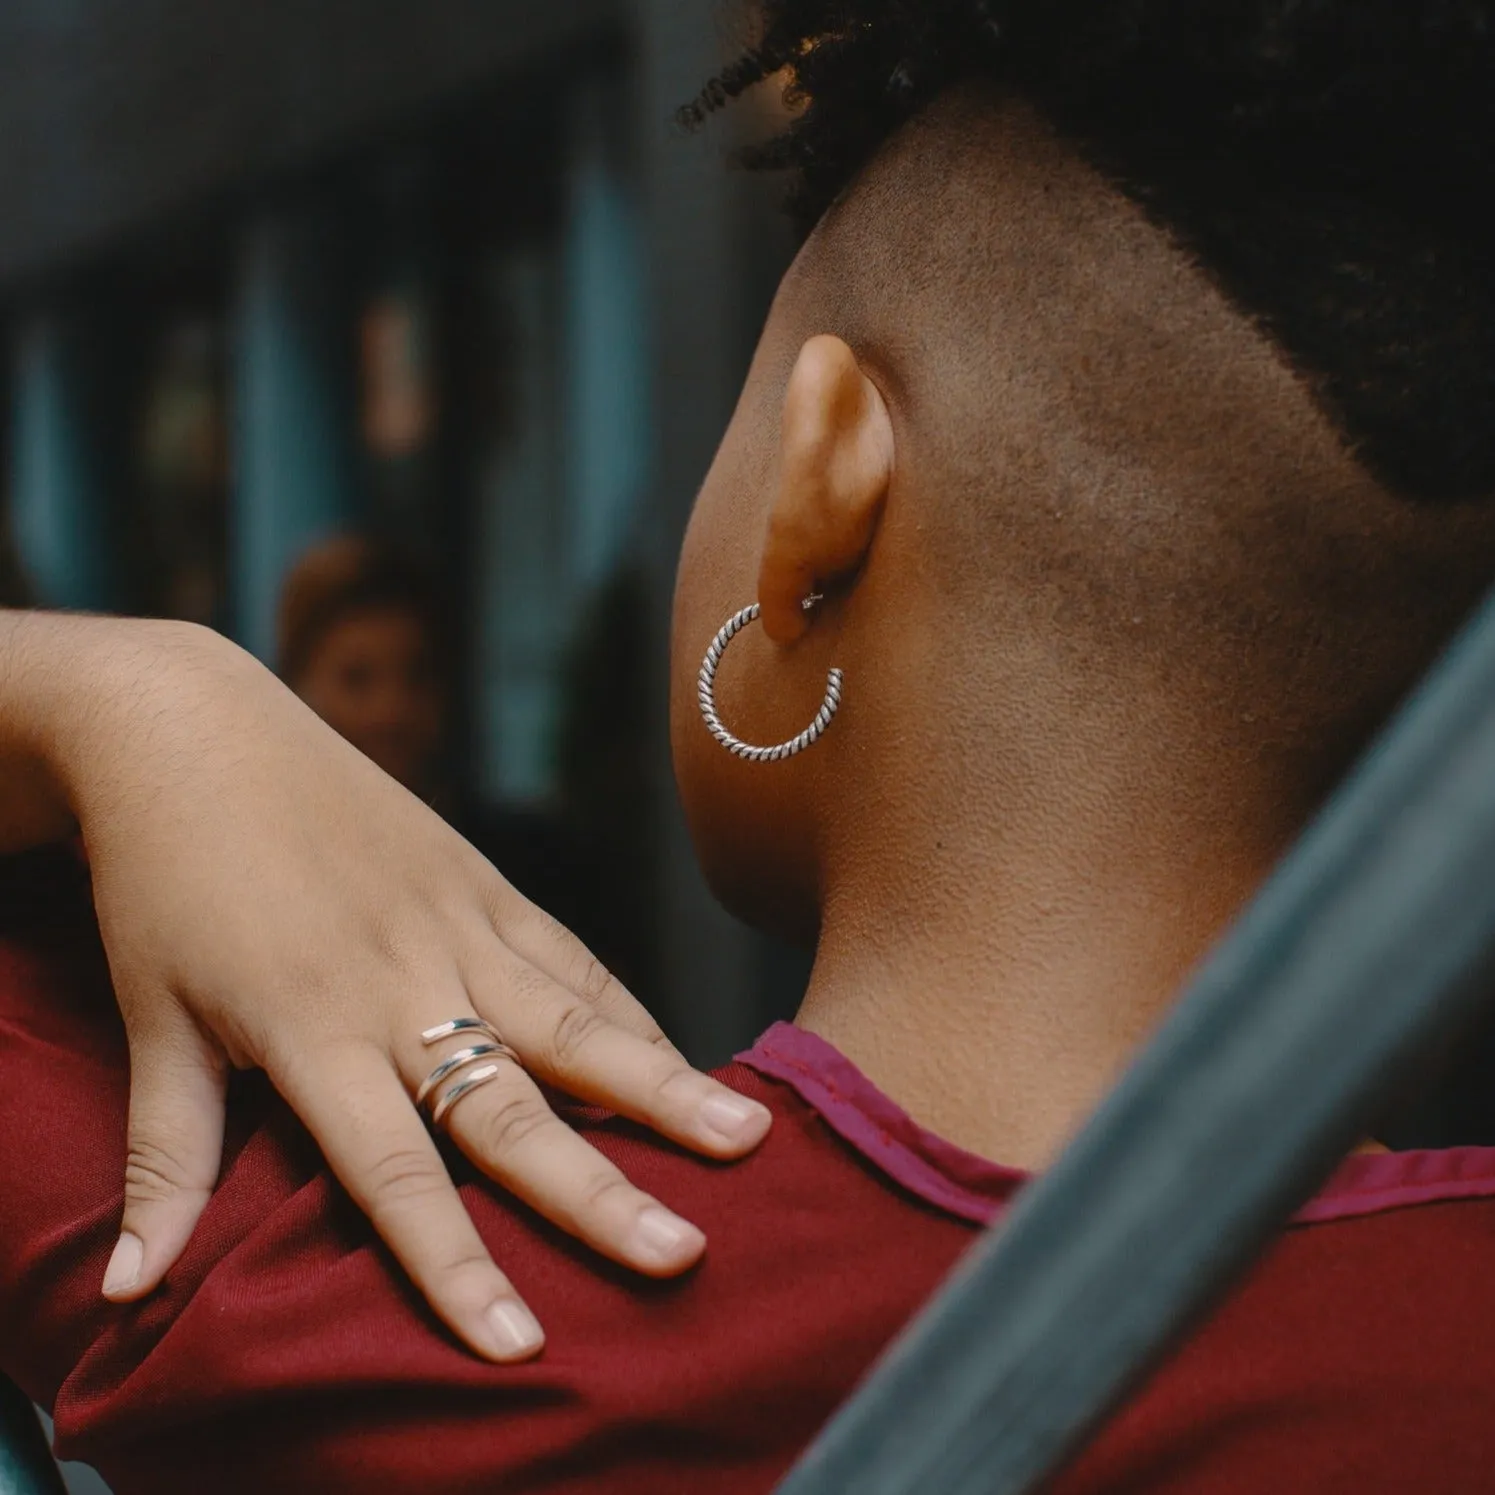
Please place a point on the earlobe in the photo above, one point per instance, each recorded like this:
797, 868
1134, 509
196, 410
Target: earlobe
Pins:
835, 466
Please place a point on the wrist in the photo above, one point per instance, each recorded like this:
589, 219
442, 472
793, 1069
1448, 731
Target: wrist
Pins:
39, 680
87, 699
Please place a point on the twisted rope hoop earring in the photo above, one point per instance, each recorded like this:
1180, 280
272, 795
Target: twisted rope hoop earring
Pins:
706, 695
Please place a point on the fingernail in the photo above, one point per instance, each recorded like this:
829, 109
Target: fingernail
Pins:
513, 1330
123, 1271
661, 1237
734, 1118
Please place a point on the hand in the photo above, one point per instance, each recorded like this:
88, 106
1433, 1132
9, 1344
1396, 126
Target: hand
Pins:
267, 897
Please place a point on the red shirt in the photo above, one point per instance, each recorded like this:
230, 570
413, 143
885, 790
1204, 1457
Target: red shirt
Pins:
286, 1352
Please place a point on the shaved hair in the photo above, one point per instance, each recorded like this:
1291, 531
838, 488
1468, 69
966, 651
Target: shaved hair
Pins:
1124, 455
1328, 161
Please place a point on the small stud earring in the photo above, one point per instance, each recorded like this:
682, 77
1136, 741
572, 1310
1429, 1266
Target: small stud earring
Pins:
706, 695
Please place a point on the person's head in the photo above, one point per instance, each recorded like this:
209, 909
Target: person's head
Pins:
1132, 402
362, 641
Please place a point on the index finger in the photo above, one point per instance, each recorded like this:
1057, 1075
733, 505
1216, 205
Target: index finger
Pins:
376, 1143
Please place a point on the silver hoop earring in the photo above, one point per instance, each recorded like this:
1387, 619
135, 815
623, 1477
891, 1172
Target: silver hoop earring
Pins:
706, 694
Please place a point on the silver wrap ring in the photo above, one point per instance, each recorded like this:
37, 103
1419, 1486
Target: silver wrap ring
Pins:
492, 1048
463, 1087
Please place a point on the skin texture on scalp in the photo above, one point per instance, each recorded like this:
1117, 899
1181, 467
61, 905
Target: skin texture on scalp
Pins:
1107, 445
1127, 606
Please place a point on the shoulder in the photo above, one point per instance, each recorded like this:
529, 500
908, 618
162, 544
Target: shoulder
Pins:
285, 1299
1358, 1354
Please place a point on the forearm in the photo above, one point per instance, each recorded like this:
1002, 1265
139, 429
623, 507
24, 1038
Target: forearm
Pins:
77, 693
42, 699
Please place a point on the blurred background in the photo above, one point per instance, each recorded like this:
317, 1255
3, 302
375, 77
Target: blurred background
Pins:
392, 338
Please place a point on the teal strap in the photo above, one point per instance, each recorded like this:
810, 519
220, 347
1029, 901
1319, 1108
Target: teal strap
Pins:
26, 1466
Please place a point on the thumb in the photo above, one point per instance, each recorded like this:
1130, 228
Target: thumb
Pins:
177, 1086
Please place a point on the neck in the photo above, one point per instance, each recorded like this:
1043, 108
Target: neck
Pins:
993, 973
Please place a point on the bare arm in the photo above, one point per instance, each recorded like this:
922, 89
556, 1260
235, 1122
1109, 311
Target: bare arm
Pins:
42, 696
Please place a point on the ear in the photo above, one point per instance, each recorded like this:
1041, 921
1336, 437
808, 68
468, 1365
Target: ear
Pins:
835, 465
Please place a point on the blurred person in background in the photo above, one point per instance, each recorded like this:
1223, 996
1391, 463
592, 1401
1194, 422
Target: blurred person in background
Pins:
362, 638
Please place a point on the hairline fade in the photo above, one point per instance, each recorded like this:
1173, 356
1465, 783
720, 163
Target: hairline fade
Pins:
1323, 160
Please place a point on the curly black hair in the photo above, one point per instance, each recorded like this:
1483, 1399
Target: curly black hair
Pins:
1328, 161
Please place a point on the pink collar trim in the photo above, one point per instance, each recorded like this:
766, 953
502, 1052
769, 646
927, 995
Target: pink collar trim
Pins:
973, 1189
